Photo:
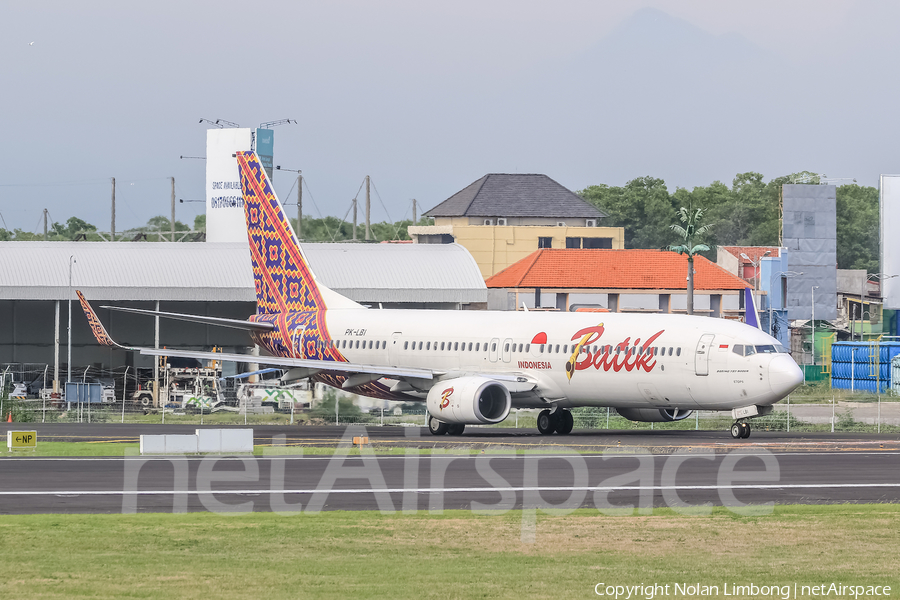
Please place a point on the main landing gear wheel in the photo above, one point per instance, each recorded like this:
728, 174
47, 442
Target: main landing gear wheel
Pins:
436, 427
546, 423
740, 430
565, 422
456, 429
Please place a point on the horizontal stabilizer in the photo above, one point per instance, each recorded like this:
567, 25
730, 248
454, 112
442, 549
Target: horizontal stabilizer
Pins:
97, 327
222, 322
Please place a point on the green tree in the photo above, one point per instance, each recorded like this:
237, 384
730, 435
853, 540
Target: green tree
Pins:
858, 232
200, 223
642, 207
330, 229
691, 236
161, 223
745, 215
71, 230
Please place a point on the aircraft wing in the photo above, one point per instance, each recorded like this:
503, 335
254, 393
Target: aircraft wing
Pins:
319, 365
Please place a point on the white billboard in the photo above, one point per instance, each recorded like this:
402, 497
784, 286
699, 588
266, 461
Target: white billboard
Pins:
224, 201
889, 200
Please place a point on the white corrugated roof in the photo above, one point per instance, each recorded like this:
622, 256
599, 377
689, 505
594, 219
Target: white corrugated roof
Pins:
222, 272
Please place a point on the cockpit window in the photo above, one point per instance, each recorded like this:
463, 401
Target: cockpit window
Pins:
766, 349
781, 349
738, 349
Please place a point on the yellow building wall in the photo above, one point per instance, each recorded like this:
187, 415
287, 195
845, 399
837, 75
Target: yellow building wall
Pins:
438, 221
495, 248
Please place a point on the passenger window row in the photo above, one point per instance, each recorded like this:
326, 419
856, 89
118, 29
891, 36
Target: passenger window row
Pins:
447, 346
359, 344
548, 348
522, 347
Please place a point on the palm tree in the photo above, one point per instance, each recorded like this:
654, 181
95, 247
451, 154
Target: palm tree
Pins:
690, 235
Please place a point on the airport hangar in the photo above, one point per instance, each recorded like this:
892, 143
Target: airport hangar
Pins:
214, 279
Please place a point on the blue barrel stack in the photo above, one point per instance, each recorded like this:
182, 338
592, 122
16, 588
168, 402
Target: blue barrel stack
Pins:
863, 366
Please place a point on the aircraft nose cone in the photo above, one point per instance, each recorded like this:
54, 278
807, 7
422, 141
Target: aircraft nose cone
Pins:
784, 375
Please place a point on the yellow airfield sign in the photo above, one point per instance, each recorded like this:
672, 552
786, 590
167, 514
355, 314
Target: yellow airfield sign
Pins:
21, 440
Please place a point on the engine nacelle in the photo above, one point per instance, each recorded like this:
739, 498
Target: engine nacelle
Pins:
654, 415
469, 400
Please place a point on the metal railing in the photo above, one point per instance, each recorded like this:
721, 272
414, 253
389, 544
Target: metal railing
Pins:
825, 414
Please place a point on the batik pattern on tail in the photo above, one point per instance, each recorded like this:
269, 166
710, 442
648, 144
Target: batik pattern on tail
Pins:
286, 293
297, 335
284, 282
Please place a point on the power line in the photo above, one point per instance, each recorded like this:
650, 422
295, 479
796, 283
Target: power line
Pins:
397, 228
36, 227
58, 184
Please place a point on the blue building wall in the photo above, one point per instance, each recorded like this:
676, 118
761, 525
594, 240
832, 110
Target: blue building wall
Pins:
773, 306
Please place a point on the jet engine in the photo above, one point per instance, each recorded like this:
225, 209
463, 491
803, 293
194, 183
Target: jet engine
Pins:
654, 415
469, 400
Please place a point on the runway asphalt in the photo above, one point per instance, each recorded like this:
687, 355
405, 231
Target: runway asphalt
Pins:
656, 442
674, 469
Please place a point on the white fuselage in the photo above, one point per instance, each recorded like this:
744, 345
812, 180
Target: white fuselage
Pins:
690, 362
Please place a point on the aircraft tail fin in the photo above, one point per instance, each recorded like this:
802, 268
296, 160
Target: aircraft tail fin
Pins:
284, 281
751, 314
97, 327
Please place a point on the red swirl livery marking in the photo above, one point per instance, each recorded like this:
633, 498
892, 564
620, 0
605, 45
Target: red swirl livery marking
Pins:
445, 398
633, 355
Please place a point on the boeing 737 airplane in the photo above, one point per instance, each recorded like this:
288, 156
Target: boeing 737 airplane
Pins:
472, 367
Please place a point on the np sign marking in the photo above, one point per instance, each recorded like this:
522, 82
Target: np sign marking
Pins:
19, 440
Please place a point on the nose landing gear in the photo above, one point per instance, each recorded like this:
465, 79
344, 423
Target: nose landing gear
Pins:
740, 430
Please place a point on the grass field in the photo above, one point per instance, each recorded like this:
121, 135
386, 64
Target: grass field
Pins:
454, 555
73, 449
69, 449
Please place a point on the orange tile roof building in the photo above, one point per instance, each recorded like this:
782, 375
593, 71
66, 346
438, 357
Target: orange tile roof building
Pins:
744, 261
617, 280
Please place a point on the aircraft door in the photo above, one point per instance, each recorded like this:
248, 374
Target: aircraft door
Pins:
493, 351
506, 351
394, 348
701, 358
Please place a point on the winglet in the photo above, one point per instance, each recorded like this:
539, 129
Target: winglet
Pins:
96, 326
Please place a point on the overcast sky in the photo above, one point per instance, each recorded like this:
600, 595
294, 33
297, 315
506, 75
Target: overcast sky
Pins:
428, 97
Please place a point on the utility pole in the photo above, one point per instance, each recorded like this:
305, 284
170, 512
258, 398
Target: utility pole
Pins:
368, 210
45, 224
414, 212
354, 219
299, 206
56, 350
112, 227
69, 325
812, 321
173, 208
